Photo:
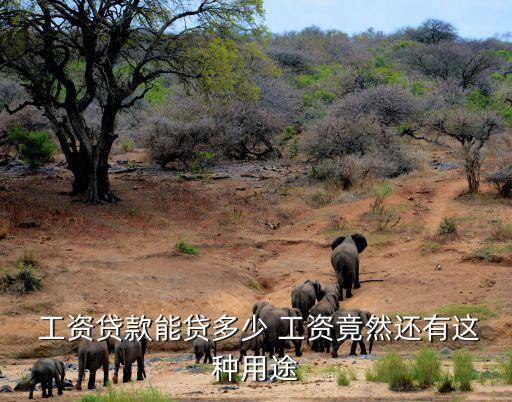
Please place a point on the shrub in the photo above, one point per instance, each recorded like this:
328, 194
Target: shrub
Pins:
463, 370
502, 181
127, 395
186, 248
445, 383
393, 370
385, 217
22, 279
345, 375
427, 367
224, 378
501, 231
506, 369
447, 226
127, 144
34, 147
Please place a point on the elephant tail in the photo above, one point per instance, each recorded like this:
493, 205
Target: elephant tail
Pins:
144, 344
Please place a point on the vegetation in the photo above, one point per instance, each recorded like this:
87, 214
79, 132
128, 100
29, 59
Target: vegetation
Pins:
506, 369
501, 231
34, 147
426, 367
394, 370
447, 226
185, 247
127, 395
461, 310
463, 370
126, 144
445, 383
345, 375
384, 216
21, 279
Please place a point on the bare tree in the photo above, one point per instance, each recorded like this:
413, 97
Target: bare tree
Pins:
433, 31
472, 130
72, 54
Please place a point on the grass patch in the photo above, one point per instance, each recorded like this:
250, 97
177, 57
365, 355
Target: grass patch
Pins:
506, 369
345, 375
463, 370
392, 369
232, 216
501, 231
224, 379
126, 144
447, 226
253, 284
430, 246
489, 252
21, 279
124, 395
445, 383
426, 368
185, 247
461, 310
34, 308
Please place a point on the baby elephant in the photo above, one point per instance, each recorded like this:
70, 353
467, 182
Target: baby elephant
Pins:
203, 347
44, 372
128, 352
255, 344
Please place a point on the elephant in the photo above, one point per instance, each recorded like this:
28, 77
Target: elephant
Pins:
345, 261
44, 372
277, 327
325, 308
260, 307
305, 296
256, 344
203, 347
93, 355
126, 353
335, 331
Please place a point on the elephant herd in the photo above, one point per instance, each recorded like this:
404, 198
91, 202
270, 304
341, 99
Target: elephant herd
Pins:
92, 356
308, 300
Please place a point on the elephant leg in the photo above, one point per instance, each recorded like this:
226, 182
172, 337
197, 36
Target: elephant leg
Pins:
44, 386
105, 373
81, 372
92, 379
127, 372
349, 292
58, 383
31, 388
242, 354
357, 284
353, 348
281, 348
270, 349
140, 368
50, 387
327, 346
210, 358
297, 344
363, 347
335, 347
117, 364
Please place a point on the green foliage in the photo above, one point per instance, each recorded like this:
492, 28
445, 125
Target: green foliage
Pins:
491, 252
501, 231
445, 383
427, 367
461, 310
345, 375
289, 141
127, 144
34, 147
127, 395
21, 279
224, 379
202, 162
253, 284
185, 247
157, 95
385, 217
392, 369
463, 369
506, 369
447, 226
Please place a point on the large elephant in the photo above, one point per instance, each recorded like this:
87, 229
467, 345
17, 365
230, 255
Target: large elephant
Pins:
305, 296
345, 261
93, 355
260, 308
44, 372
203, 347
128, 352
340, 316
324, 308
277, 328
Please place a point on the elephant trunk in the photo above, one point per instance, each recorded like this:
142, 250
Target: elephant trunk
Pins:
371, 345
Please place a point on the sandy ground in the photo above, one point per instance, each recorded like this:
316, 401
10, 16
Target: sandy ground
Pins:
259, 225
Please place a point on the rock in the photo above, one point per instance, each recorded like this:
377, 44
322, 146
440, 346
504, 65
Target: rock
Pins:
446, 351
154, 359
71, 366
68, 384
439, 267
229, 388
181, 358
5, 389
28, 224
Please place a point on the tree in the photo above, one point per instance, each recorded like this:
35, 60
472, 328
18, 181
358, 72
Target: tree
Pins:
74, 56
433, 31
472, 129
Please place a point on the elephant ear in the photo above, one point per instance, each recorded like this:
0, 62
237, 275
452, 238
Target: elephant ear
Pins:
336, 242
360, 242
318, 290
365, 316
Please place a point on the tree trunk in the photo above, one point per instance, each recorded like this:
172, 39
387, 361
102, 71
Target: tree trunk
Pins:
98, 183
473, 173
